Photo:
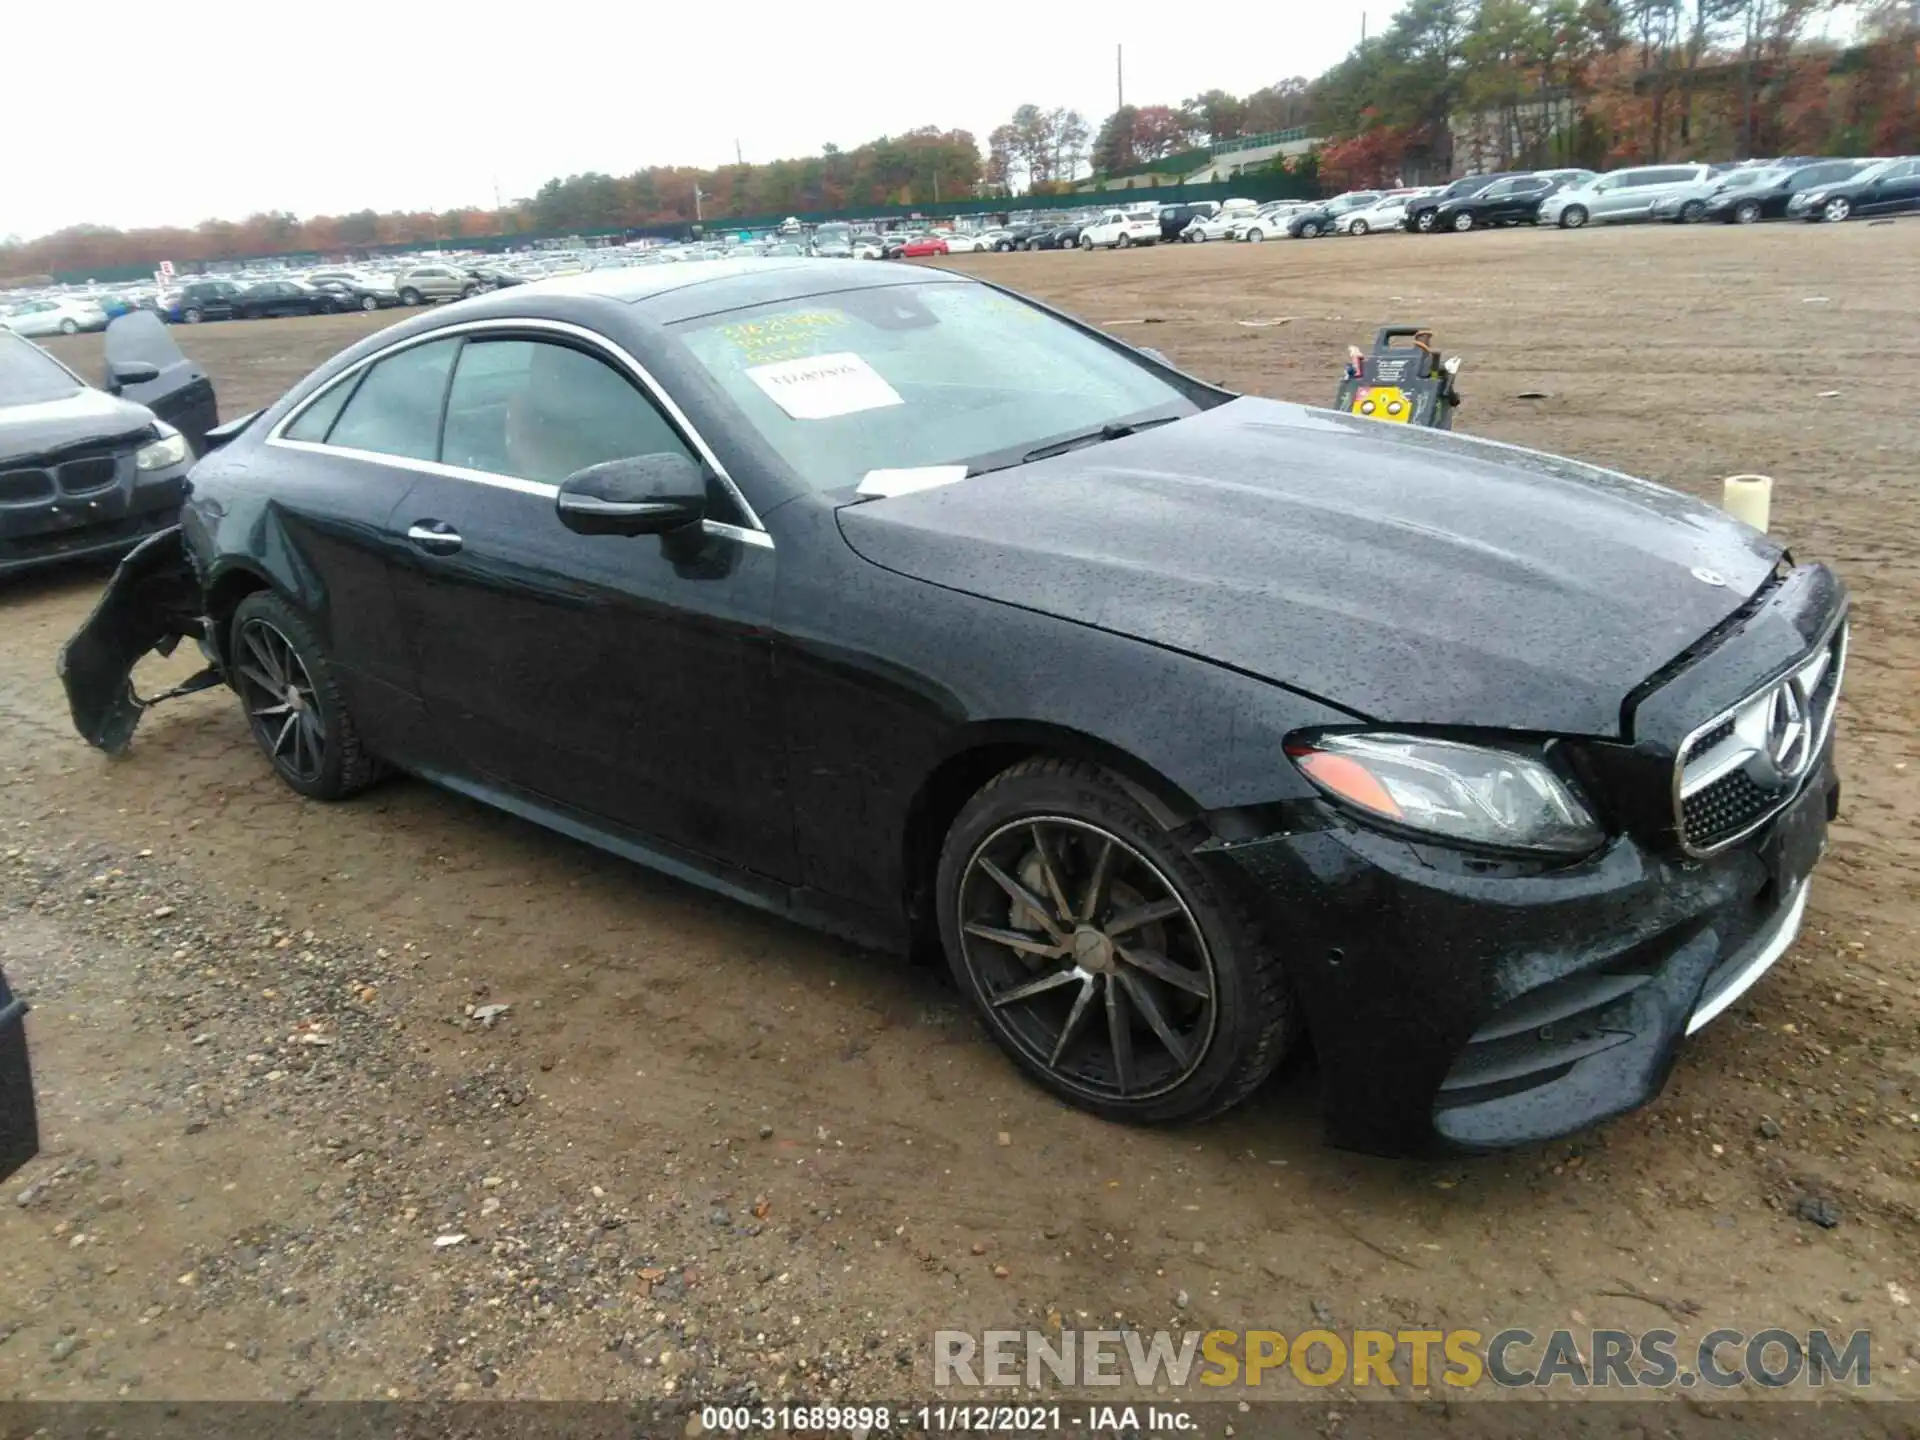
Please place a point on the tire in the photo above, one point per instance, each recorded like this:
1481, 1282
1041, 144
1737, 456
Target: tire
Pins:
1216, 989
369, 303
1691, 212
1310, 230
1359, 227
1747, 212
1463, 222
69, 327
192, 315
1423, 222
1836, 209
1256, 236
1573, 217
1199, 237
410, 296
311, 741
1086, 244
1125, 242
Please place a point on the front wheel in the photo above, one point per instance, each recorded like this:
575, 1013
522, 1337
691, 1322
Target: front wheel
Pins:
369, 303
1463, 222
1257, 236
1691, 212
410, 296
1747, 212
1573, 217
1359, 227
69, 327
1424, 222
1099, 954
1836, 209
294, 706
192, 315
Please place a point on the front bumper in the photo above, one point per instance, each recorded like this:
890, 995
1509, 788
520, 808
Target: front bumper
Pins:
59, 512
1466, 1005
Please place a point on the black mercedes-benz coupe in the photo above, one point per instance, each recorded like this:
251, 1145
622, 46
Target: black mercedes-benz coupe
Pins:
1188, 725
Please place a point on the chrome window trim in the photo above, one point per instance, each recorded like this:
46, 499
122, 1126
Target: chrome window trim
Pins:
758, 538
592, 338
1772, 945
1837, 627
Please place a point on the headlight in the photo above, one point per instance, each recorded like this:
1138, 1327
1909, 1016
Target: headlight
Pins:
162, 454
1469, 793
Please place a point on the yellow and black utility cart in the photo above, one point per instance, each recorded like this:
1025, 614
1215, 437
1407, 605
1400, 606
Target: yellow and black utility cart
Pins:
1403, 384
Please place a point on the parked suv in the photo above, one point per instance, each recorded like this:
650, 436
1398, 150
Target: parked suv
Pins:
421, 283
1620, 195
1423, 213
1174, 219
1116, 230
199, 300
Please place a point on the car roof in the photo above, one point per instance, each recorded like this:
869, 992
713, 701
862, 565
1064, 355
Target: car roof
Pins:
664, 294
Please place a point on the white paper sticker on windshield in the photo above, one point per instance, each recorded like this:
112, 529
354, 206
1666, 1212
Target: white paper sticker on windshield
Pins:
906, 481
820, 387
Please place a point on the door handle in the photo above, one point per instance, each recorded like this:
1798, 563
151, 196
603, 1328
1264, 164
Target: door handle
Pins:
436, 537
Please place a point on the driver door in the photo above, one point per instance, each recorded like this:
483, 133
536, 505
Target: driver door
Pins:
181, 394
628, 679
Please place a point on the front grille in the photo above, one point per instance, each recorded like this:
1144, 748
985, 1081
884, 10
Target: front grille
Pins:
82, 477
26, 487
1741, 768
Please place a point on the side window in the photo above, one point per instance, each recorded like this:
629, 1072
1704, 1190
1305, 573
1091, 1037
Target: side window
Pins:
540, 411
318, 418
396, 408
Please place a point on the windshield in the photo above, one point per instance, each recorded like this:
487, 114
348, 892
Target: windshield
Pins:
905, 377
1742, 179
28, 375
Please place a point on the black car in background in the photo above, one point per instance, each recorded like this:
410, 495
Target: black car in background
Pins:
1514, 200
1016, 238
270, 299
1887, 187
92, 472
199, 300
1421, 214
1491, 774
351, 295
1174, 219
1059, 237
1743, 197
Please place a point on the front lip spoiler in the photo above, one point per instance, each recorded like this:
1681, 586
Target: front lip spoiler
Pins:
1770, 948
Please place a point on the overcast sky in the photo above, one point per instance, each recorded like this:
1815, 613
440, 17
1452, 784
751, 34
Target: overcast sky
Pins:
203, 108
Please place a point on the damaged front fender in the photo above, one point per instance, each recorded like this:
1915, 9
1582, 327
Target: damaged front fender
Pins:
151, 604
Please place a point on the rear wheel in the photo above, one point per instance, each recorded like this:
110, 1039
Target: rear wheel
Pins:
1573, 217
293, 701
1747, 212
1125, 242
1100, 955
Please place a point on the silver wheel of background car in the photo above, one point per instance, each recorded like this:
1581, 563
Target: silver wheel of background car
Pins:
1463, 222
1257, 236
1125, 242
191, 315
1424, 221
1359, 227
1747, 212
368, 302
1691, 212
1086, 958
282, 705
410, 297
1836, 209
69, 327
1573, 217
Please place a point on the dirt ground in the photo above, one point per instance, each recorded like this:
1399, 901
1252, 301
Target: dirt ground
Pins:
704, 1153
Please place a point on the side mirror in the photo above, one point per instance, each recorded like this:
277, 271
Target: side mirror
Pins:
121, 373
636, 495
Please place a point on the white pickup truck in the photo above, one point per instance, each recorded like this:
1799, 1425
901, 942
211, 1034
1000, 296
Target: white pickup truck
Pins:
1116, 230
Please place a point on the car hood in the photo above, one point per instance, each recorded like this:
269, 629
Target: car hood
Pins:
30, 431
1408, 576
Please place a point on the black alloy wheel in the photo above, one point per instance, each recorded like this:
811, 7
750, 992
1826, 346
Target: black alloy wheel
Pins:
293, 701
1101, 957
1424, 222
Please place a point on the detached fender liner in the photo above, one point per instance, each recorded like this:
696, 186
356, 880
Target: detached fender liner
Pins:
19, 1120
151, 604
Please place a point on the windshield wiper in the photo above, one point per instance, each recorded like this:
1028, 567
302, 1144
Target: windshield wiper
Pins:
1112, 431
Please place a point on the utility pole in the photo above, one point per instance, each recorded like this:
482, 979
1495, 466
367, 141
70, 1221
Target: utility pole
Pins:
1363, 27
697, 198
737, 159
1119, 80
